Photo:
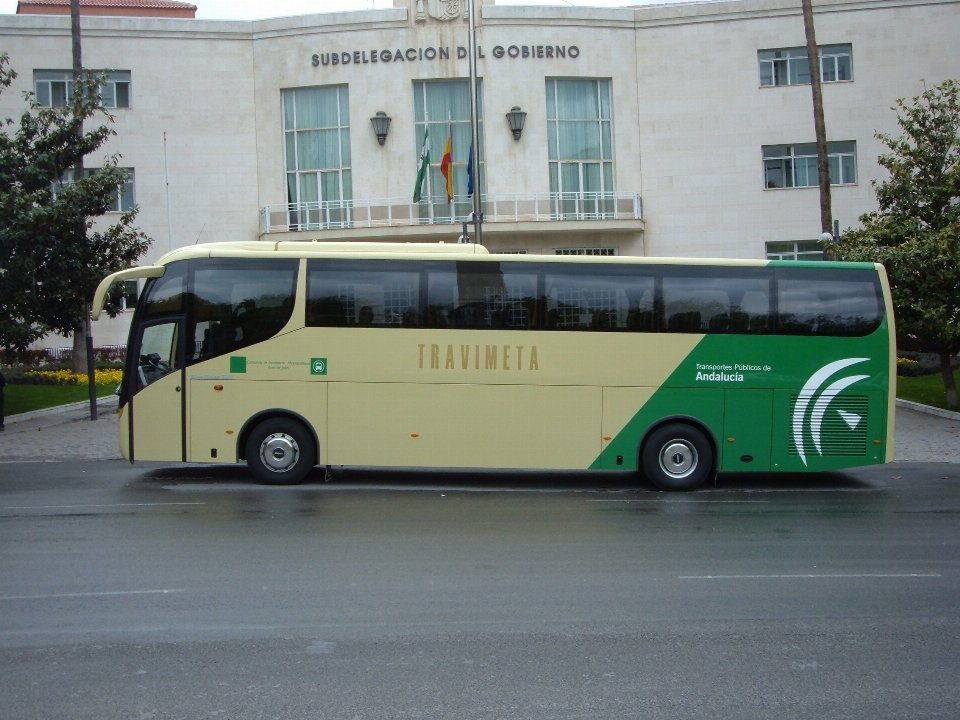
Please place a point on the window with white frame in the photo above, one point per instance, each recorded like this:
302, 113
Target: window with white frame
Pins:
788, 166
580, 146
54, 88
122, 201
443, 107
316, 131
131, 292
799, 250
790, 66
588, 251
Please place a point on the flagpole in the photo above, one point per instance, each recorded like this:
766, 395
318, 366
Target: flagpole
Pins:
474, 128
453, 216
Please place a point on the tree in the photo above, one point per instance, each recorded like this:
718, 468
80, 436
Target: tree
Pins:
819, 125
52, 255
916, 231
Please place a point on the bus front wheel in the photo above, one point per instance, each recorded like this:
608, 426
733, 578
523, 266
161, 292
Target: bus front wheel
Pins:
280, 452
677, 457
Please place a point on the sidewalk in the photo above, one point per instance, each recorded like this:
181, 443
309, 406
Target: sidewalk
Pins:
70, 435
65, 433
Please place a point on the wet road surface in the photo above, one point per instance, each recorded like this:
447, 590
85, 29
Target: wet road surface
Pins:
188, 591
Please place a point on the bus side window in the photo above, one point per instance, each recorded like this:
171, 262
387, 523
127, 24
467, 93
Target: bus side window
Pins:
158, 353
236, 303
838, 304
363, 293
481, 295
718, 303
578, 299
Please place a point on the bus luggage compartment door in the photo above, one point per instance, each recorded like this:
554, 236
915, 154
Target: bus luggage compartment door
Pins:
464, 425
747, 430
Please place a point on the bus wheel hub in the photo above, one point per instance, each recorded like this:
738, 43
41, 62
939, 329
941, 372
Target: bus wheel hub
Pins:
678, 458
280, 452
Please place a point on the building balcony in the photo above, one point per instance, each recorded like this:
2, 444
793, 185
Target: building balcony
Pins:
611, 211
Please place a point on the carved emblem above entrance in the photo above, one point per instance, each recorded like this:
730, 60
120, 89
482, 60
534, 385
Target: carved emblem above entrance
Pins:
440, 9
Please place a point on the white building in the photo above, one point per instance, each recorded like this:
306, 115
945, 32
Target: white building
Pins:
664, 130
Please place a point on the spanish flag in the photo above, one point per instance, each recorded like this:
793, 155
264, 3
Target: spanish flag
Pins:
446, 165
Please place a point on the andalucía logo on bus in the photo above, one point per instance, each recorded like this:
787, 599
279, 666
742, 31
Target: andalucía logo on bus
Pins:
823, 401
726, 373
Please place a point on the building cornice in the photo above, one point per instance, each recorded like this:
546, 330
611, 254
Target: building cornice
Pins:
627, 18
680, 13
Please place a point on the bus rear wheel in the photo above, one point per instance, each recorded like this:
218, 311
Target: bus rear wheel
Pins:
676, 457
280, 452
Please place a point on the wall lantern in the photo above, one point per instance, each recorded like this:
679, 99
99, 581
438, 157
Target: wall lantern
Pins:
381, 121
515, 117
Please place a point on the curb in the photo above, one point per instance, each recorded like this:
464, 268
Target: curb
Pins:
104, 402
949, 414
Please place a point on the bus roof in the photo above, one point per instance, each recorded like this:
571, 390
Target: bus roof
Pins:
388, 250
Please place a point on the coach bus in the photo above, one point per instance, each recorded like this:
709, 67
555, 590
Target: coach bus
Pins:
291, 355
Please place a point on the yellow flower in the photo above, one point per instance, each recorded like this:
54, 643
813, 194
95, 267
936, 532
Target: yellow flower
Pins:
104, 376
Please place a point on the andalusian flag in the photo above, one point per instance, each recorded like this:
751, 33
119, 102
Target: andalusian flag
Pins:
424, 164
446, 165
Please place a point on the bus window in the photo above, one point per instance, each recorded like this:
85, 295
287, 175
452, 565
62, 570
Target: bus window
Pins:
344, 293
585, 299
165, 294
158, 353
236, 303
481, 295
841, 303
695, 303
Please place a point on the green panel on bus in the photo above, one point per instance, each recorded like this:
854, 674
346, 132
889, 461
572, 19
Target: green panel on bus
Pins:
827, 408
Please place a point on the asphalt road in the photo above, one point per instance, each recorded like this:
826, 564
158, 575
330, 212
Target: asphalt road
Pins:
188, 592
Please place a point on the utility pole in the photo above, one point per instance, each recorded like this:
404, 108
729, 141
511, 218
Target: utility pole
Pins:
82, 336
819, 125
474, 123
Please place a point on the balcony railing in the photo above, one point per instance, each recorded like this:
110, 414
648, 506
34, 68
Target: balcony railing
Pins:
393, 212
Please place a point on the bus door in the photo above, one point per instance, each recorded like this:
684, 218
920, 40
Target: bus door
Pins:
157, 391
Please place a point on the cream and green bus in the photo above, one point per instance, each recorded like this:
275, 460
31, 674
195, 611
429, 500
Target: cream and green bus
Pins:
292, 355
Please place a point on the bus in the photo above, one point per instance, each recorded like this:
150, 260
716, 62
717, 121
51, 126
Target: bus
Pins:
293, 355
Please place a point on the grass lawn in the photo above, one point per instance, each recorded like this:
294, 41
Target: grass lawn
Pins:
24, 398
926, 389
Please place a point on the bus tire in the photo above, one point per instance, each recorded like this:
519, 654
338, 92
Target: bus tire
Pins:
676, 457
280, 451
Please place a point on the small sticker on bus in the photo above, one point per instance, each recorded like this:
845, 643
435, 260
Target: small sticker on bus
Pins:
318, 366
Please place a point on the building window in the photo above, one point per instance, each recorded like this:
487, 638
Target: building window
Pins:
789, 66
131, 291
54, 88
800, 250
444, 106
122, 201
316, 129
580, 146
588, 251
787, 166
